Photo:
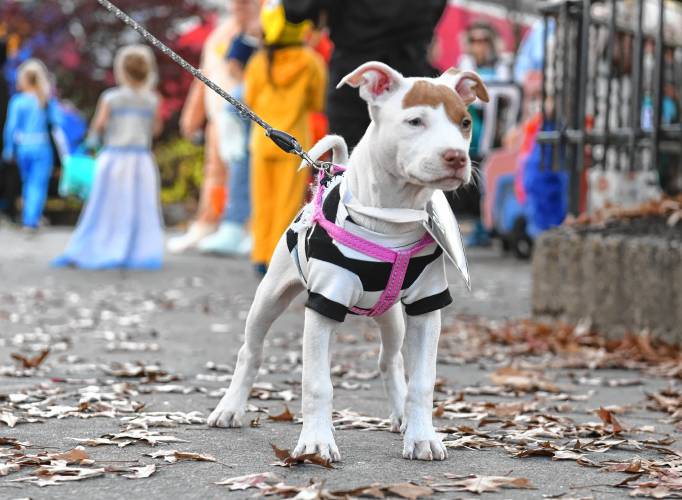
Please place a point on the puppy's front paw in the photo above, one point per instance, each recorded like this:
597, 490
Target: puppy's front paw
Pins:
317, 441
429, 449
225, 415
397, 423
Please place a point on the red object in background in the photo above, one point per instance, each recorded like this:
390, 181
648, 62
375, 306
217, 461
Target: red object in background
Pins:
319, 126
322, 44
70, 58
454, 23
194, 38
174, 90
530, 131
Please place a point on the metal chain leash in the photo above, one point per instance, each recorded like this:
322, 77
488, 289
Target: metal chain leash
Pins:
283, 140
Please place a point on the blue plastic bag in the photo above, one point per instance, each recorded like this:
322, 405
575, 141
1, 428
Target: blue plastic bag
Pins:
78, 174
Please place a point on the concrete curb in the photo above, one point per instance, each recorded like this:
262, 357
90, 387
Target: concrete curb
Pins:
622, 283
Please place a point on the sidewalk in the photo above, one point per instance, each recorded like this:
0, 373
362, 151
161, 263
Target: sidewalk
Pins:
184, 323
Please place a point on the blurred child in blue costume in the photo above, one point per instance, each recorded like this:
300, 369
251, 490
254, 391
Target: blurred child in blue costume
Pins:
120, 226
30, 116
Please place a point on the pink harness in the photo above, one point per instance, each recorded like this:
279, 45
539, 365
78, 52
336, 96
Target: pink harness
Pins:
400, 259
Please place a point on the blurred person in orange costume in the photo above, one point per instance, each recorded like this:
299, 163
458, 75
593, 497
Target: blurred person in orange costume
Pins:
285, 81
199, 110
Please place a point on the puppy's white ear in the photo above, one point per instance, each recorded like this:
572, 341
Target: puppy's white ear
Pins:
375, 80
468, 85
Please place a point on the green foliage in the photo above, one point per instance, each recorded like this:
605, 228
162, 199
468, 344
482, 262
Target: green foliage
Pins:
181, 167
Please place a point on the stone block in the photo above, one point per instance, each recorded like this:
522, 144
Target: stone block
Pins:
603, 280
546, 274
571, 289
634, 260
676, 286
624, 283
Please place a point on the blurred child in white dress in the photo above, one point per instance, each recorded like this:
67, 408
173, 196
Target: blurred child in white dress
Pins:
121, 226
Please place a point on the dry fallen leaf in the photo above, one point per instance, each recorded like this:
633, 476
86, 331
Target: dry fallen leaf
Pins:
285, 416
409, 491
150, 437
316, 491
632, 467
8, 419
14, 443
481, 484
52, 475
75, 455
6, 468
173, 456
440, 409
657, 489
141, 472
33, 362
522, 380
101, 442
261, 480
163, 419
286, 460
610, 419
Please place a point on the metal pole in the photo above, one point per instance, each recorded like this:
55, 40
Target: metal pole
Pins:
579, 123
658, 85
636, 101
543, 107
609, 79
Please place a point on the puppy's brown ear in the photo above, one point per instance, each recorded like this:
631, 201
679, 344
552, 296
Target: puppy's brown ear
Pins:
374, 79
468, 85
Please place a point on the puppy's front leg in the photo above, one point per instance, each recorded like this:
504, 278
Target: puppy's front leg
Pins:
420, 440
317, 435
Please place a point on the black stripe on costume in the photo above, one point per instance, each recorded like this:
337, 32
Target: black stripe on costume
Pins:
326, 307
429, 304
373, 275
292, 240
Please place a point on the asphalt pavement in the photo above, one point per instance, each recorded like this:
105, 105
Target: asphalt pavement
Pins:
187, 319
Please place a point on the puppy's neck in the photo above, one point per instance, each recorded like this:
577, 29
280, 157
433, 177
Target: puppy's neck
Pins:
374, 182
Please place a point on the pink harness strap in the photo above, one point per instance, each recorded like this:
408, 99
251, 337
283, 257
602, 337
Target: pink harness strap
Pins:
399, 259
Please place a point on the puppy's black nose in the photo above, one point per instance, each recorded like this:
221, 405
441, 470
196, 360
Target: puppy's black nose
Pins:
455, 158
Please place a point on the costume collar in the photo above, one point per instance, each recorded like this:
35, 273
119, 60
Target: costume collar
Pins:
437, 218
394, 215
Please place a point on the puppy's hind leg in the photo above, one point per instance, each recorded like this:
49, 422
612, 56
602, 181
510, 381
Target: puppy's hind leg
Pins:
278, 288
392, 330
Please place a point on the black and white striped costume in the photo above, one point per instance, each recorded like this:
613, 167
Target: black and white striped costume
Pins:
338, 277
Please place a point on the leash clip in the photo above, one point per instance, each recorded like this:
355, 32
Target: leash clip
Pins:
289, 144
327, 167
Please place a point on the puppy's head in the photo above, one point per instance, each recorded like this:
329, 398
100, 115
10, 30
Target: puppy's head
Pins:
421, 125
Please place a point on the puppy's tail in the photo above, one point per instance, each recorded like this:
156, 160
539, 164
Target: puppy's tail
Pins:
334, 143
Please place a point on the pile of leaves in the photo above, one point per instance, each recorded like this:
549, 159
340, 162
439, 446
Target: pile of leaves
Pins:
52, 468
565, 345
269, 483
668, 208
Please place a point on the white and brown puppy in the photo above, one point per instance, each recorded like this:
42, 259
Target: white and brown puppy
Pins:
417, 142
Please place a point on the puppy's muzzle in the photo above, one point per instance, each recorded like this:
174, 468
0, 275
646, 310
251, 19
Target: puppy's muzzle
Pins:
456, 161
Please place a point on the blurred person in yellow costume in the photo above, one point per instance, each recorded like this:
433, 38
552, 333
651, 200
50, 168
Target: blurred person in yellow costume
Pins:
200, 109
284, 82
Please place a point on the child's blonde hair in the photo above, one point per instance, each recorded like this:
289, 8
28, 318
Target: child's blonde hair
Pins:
135, 66
32, 76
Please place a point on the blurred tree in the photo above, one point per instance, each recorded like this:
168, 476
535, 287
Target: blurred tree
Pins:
78, 39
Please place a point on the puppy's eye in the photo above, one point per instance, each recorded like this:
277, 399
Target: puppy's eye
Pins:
466, 124
415, 122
